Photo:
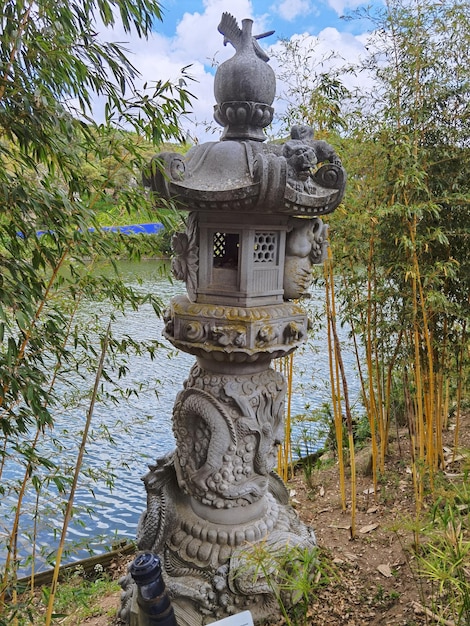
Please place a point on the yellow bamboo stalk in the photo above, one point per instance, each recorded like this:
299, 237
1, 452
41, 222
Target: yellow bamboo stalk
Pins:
284, 452
416, 342
415, 423
422, 424
349, 424
412, 428
380, 404
365, 397
278, 366
78, 465
441, 383
334, 374
445, 405
290, 378
352, 457
376, 372
421, 430
388, 393
460, 360
434, 453
370, 368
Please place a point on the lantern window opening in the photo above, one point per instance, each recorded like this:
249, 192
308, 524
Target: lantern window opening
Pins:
226, 247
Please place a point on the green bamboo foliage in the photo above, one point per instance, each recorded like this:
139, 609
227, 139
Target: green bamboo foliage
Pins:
401, 243
57, 169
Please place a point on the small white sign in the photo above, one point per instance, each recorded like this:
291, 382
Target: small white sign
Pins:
241, 619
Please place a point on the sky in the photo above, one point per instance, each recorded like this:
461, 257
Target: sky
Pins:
188, 36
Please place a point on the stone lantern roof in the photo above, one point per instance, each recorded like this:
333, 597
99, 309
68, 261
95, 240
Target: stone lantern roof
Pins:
253, 229
241, 173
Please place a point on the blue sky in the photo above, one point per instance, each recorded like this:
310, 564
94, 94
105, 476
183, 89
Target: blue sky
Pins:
286, 17
188, 36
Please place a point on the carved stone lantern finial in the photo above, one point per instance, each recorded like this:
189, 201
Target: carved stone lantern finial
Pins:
244, 85
252, 234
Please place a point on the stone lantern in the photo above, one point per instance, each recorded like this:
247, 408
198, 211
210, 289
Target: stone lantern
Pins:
253, 232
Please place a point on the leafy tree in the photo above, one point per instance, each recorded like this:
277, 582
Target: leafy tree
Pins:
54, 65
401, 237
312, 91
404, 236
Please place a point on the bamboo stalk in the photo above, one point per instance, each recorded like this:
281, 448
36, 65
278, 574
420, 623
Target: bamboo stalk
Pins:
370, 370
290, 379
460, 359
388, 392
334, 374
349, 423
78, 465
376, 361
445, 405
284, 452
442, 387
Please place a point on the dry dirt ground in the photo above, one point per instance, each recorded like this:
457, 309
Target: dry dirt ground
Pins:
373, 582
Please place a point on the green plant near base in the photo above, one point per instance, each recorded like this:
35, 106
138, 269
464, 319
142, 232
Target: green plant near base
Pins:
311, 440
317, 435
444, 559
291, 573
386, 598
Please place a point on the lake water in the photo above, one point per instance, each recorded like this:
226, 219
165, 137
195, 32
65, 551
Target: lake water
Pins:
141, 426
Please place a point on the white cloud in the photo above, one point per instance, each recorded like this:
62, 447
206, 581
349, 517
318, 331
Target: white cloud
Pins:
290, 10
329, 51
197, 43
197, 33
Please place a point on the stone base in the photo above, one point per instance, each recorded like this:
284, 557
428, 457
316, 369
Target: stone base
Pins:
214, 569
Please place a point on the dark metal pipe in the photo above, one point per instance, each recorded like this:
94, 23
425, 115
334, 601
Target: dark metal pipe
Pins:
153, 599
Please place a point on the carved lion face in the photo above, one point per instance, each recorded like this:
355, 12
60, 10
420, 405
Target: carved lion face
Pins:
300, 158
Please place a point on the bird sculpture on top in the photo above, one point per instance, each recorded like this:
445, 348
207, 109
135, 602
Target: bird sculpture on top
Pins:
241, 38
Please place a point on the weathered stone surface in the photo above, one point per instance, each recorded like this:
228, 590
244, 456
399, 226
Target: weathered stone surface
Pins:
252, 235
244, 85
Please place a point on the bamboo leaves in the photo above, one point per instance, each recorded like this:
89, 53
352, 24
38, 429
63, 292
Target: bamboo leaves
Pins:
402, 245
57, 168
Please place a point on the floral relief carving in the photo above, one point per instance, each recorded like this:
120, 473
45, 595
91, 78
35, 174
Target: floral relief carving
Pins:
185, 262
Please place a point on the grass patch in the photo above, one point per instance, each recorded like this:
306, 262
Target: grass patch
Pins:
80, 596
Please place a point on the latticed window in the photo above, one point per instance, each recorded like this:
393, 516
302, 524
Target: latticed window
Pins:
265, 247
226, 247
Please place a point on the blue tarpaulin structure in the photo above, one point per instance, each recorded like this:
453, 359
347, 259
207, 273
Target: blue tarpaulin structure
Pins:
135, 229
131, 229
